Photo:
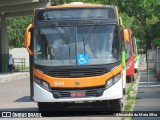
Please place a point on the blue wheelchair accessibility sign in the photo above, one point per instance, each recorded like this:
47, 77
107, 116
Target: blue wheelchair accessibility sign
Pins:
82, 59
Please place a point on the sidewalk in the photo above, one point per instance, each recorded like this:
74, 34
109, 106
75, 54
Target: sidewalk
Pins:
9, 77
148, 97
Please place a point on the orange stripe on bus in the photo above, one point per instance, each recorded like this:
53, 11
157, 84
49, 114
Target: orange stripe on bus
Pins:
75, 5
71, 82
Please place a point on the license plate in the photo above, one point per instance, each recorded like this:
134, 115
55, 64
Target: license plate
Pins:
78, 94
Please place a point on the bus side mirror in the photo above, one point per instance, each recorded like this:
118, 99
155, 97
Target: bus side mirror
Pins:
125, 35
27, 39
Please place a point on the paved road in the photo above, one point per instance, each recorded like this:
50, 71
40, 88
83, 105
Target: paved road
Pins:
14, 96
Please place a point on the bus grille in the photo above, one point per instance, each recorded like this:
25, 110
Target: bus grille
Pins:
93, 92
80, 72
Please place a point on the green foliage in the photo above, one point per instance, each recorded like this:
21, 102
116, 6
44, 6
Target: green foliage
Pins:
156, 42
143, 12
15, 28
128, 21
155, 30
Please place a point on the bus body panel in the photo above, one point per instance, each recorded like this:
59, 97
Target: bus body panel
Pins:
84, 81
130, 71
41, 78
130, 61
124, 69
136, 62
68, 6
136, 57
114, 92
124, 78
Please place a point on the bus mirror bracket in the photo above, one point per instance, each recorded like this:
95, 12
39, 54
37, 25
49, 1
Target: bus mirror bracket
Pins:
27, 39
125, 35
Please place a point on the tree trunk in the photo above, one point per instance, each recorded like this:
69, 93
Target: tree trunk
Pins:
148, 41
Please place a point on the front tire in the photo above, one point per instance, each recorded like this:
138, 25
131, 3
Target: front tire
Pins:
136, 70
124, 91
43, 106
49, 106
117, 105
129, 79
133, 78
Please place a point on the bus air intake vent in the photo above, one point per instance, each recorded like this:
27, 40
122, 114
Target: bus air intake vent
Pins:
80, 72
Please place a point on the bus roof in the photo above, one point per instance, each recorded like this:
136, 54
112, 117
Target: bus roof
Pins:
78, 5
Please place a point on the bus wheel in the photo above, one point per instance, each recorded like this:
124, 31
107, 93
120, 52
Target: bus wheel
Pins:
133, 78
117, 105
47, 106
135, 70
129, 79
43, 106
124, 91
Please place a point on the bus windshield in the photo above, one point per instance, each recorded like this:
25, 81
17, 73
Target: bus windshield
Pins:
134, 46
128, 50
76, 45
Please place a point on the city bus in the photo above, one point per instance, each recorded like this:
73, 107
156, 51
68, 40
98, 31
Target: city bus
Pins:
76, 56
136, 57
130, 58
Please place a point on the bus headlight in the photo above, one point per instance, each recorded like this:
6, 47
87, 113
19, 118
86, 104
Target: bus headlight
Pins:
112, 80
109, 83
117, 77
42, 83
129, 64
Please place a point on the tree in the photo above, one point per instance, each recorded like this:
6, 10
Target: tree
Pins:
142, 10
15, 28
155, 30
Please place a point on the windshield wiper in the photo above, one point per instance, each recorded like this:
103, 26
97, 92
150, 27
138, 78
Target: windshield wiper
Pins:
66, 40
91, 32
84, 45
61, 34
89, 36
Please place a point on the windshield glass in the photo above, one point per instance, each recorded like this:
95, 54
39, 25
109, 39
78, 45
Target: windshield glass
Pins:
134, 46
76, 45
128, 50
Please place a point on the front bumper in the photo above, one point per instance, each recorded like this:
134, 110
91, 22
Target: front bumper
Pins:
113, 92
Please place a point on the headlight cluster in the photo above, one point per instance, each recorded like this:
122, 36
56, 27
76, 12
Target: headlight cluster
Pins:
42, 83
129, 64
112, 80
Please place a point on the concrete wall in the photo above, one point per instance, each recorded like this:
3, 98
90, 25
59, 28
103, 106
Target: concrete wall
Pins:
20, 53
153, 59
158, 60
